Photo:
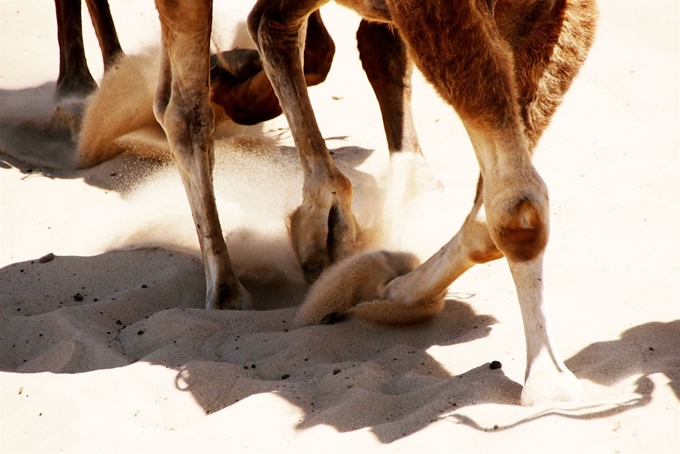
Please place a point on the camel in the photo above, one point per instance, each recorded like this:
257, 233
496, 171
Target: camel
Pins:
503, 66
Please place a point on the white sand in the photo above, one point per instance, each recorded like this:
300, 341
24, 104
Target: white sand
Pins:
136, 364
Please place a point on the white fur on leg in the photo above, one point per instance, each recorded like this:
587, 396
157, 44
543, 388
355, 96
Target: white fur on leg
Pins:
550, 384
547, 379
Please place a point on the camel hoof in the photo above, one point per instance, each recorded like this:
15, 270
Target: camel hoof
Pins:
555, 386
319, 242
227, 298
333, 318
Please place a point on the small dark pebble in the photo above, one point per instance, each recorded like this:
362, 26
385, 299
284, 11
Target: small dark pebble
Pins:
21, 271
253, 366
285, 377
651, 349
46, 258
113, 174
144, 286
118, 322
336, 371
140, 332
495, 365
78, 297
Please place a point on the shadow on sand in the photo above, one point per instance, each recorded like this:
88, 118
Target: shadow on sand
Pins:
222, 357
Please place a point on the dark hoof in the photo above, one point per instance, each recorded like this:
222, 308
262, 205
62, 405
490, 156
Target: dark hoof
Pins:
332, 318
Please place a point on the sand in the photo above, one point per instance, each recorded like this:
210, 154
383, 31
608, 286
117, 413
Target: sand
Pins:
106, 346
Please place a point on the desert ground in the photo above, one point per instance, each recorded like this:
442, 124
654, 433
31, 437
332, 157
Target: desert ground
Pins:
106, 347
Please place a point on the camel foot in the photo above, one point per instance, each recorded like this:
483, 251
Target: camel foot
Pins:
234, 297
551, 386
323, 230
78, 85
354, 287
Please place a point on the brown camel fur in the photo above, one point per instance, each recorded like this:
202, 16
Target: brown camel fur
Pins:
239, 91
503, 66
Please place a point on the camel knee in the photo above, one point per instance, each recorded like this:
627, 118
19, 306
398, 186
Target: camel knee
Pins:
522, 232
188, 126
262, 15
281, 24
319, 48
185, 114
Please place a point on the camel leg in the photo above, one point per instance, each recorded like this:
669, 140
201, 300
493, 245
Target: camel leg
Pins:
182, 107
74, 75
510, 215
100, 13
389, 70
241, 87
323, 228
